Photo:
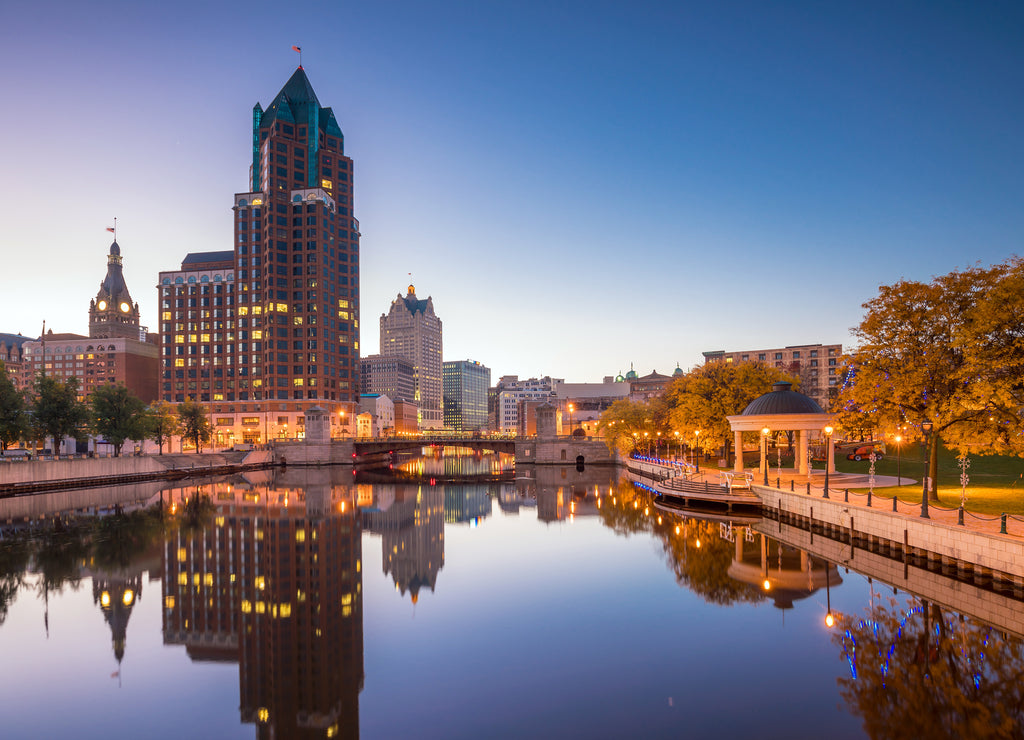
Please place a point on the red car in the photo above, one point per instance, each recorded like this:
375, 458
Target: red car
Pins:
864, 452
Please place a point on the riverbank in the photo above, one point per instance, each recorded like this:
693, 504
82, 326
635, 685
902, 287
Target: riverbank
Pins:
27, 477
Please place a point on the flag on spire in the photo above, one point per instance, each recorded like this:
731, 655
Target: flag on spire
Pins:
297, 48
110, 229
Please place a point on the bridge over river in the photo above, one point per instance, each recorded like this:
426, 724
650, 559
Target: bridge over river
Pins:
550, 451
374, 446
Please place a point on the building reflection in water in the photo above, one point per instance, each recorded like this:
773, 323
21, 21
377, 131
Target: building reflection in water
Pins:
785, 573
410, 521
455, 463
276, 585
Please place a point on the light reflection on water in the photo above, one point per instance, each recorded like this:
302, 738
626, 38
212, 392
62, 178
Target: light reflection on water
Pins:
300, 604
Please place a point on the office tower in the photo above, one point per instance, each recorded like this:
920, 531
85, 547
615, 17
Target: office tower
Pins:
395, 377
465, 395
284, 335
411, 330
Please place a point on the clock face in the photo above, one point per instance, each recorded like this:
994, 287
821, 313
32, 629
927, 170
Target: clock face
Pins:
102, 305
125, 308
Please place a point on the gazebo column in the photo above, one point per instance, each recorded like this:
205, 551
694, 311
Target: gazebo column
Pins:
802, 451
830, 454
738, 445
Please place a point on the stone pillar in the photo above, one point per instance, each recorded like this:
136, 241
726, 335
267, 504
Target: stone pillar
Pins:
830, 454
738, 466
801, 452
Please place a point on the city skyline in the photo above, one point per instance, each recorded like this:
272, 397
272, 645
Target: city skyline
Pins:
554, 176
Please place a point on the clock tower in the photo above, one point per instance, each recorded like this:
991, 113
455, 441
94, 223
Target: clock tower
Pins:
112, 313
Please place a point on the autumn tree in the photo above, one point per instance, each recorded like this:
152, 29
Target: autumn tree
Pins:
118, 415
992, 339
13, 419
163, 423
921, 672
56, 410
195, 426
924, 356
702, 399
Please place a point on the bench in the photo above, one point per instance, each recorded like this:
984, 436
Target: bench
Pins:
733, 480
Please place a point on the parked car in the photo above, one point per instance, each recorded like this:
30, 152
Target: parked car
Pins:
864, 452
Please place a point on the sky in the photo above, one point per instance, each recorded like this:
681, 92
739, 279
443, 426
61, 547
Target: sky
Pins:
581, 187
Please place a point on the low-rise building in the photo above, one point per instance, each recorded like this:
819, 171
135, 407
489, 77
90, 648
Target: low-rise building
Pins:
510, 391
382, 412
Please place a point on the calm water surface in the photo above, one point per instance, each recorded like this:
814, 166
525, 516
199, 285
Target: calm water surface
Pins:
316, 603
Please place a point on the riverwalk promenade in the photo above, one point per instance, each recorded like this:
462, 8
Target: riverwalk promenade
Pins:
986, 549
840, 487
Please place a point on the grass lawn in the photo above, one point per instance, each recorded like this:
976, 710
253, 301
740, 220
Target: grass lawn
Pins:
996, 482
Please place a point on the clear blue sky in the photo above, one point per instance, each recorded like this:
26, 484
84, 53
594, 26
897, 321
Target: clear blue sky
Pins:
579, 185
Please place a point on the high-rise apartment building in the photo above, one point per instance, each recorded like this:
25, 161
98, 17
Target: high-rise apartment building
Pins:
465, 395
817, 366
282, 332
411, 330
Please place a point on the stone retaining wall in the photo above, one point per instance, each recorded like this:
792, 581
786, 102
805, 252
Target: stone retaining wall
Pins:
1002, 553
953, 591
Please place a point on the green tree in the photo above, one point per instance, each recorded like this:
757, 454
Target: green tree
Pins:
195, 426
118, 414
56, 410
702, 399
920, 359
13, 419
163, 424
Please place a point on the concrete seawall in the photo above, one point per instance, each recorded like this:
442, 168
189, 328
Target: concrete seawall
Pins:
25, 477
990, 555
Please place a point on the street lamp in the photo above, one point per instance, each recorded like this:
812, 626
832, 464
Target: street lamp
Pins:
764, 452
828, 460
679, 447
657, 445
647, 444
899, 480
926, 427
571, 409
696, 449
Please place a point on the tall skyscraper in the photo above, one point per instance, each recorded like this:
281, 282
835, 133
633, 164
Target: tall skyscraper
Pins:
286, 337
465, 395
411, 330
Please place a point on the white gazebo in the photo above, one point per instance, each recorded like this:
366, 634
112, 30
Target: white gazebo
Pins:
782, 410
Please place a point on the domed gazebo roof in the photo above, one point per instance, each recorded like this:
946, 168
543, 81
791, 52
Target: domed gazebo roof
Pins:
782, 399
